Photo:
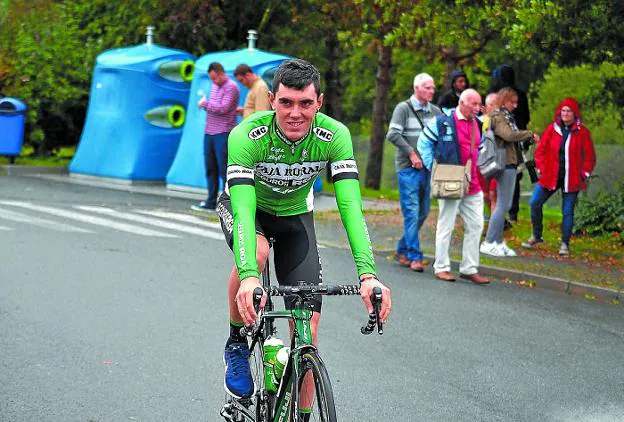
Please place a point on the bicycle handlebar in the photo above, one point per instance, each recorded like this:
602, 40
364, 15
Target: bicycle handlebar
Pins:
320, 289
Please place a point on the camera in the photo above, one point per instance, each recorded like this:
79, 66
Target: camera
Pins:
532, 170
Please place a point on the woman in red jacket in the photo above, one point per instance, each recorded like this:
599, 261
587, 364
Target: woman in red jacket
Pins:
565, 158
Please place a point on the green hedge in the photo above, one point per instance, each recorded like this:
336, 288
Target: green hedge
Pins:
601, 215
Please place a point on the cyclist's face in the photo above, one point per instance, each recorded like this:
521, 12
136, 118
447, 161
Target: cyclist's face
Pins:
295, 109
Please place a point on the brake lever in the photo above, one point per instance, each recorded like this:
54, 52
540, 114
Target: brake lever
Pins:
376, 299
373, 317
257, 298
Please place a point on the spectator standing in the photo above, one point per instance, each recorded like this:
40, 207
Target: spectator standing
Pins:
220, 119
507, 134
565, 158
448, 140
459, 83
502, 77
408, 120
488, 186
258, 95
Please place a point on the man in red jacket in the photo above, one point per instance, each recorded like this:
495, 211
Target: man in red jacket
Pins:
565, 158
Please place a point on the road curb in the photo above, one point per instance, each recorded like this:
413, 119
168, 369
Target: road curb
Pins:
18, 170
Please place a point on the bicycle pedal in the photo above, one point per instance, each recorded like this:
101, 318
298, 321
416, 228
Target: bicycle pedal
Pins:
243, 402
227, 411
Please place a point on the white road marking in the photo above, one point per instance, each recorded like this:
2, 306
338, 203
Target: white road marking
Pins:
6, 228
152, 221
89, 219
48, 224
187, 218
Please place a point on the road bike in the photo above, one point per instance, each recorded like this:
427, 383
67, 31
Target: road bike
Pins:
304, 360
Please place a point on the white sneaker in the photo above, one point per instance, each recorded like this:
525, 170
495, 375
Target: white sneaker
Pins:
507, 250
492, 249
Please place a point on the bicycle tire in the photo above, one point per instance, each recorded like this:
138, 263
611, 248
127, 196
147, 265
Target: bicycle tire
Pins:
323, 407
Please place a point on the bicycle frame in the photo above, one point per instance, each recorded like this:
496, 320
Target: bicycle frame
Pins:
300, 340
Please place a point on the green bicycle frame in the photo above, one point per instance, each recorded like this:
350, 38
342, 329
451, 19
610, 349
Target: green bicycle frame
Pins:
301, 340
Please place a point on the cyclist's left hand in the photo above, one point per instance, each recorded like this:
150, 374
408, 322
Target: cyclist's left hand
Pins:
366, 289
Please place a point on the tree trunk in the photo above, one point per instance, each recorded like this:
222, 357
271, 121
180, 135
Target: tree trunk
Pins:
375, 155
333, 92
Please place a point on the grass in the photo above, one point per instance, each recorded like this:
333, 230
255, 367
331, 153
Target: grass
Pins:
57, 158
594, 260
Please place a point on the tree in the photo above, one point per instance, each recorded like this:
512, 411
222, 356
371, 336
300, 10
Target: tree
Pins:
369, 24
601, 113
571, 32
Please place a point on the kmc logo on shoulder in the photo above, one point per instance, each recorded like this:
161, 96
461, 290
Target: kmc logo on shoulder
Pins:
258, 132
323, 134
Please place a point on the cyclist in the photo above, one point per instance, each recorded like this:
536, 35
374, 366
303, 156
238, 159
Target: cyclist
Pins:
273, 160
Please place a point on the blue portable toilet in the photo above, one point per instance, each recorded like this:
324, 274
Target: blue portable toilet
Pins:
137, 108
188, 169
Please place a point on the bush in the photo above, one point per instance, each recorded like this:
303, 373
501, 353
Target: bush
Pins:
602, 215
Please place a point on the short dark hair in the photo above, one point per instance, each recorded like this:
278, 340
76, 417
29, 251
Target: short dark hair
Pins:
216, 67
242, 69
297, 74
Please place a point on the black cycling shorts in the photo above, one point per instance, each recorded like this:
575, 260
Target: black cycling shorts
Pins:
295, 253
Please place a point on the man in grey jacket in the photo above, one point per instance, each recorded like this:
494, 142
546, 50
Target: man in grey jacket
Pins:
408, 120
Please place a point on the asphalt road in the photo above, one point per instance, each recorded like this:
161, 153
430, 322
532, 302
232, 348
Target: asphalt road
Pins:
126, 321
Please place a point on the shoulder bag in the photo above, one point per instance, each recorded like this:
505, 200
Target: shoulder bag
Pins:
451, 181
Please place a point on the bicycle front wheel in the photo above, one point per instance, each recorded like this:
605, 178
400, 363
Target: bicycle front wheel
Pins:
316, 398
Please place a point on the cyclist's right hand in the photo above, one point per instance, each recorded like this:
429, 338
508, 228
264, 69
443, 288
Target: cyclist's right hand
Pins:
244, 300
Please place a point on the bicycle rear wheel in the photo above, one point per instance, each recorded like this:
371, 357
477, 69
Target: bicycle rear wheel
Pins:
322, 407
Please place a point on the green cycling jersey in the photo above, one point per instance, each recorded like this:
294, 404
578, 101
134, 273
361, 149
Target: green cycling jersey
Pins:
268, 171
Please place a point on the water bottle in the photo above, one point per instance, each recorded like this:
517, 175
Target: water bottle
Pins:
271, 346
281, 361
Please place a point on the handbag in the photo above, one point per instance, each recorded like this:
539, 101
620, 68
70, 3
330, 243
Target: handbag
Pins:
451, 181
492, 155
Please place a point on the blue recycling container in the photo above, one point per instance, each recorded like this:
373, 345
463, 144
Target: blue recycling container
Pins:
12, 118
188, 167
137, 107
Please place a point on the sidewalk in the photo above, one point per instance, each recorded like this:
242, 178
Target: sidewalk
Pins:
528, 270
385, 221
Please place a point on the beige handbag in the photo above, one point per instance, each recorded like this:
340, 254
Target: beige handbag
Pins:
451, 181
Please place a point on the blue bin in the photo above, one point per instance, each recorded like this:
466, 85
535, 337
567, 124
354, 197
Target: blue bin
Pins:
12, 120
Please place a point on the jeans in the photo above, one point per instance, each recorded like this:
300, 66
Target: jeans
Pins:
414, 194
215, 156
540, 196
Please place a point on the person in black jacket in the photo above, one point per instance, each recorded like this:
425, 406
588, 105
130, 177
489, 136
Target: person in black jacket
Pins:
459, 83
502, 77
